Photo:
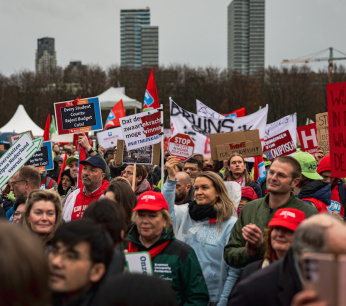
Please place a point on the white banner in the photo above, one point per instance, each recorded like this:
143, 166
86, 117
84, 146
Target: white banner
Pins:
109, 138
199, 128
205, 111
278, 127
141, 130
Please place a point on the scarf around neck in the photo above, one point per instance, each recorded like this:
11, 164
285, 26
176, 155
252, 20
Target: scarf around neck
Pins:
200, 212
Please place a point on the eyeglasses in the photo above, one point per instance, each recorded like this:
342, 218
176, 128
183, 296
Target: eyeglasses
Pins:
279, 175
68, 255
126, 172
17, 213
15, 182
190, 168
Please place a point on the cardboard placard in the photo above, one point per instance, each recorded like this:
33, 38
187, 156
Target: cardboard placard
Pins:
13, 138
81, 116
308, 138
155, 160
139, 262
109, 138
279, 145
336, 101
322, 132
246, 143
43, 159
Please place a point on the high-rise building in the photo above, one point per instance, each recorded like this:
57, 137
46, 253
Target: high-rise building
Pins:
139, 40
45, 55
246, 29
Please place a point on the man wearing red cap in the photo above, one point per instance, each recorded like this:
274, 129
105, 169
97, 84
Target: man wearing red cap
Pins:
337, 185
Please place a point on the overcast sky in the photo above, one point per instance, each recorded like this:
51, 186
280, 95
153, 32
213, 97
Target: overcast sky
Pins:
191, 32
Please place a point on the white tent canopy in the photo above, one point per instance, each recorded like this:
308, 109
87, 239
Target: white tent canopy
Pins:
112, 95
21, 122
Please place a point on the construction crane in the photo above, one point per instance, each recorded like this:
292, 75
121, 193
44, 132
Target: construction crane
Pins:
312, 58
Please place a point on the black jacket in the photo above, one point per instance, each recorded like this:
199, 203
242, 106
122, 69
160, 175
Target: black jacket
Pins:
272, 286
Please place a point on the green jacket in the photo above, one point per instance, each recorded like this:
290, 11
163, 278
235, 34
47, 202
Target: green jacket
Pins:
178, 264
257, 212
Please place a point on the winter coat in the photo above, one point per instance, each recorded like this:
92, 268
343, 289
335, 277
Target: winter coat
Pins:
86, 200
181, 268
208, 242
257, 212
316, 193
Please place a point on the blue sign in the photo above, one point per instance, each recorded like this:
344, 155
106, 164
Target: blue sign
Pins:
334, 206
43, 158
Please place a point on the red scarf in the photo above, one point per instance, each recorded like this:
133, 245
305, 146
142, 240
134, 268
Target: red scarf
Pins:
153, 251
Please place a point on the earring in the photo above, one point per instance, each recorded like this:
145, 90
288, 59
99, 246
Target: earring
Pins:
164, 231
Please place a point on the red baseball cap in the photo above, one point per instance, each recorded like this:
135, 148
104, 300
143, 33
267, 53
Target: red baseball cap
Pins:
287, 217
151, 200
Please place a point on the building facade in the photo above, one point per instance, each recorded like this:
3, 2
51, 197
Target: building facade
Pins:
246, 35
139, 41
45, 55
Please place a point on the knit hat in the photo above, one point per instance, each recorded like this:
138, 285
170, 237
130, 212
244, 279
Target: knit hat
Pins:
287, 217
151, 200
308, 164
324, 164
249, 193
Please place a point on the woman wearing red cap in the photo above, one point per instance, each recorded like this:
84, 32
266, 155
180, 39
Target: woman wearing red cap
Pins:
172, 259
205, 224
279, 237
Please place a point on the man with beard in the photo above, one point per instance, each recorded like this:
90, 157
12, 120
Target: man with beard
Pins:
93, 175
183, 190
245, 244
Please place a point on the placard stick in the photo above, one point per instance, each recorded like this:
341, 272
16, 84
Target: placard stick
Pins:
134, 177
162, 149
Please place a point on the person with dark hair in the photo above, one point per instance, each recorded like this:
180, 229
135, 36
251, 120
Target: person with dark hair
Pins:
141, 183
43, 214
18, 211
245, 243
137, 290
93, 175
24, 269
66, 184
122, 194
193, 167
24, 181
78, 258
153, 233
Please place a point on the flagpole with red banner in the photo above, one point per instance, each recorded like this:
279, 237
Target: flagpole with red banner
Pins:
46, 129
115, 114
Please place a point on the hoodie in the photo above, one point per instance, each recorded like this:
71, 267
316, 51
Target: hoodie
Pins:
317, 193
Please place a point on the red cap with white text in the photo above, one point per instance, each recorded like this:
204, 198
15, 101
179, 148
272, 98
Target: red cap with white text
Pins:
151, 200
287, 217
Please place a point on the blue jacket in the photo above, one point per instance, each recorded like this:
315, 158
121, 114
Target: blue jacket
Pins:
208, 243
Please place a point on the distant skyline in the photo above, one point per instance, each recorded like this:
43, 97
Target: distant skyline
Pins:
192, 32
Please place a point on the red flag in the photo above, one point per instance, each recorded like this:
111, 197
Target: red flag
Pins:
115, 114
46, 129
151, 99
62, 168
259, 169
241, 112
82, 156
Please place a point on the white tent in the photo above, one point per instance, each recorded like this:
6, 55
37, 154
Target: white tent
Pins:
21, 122
112, 95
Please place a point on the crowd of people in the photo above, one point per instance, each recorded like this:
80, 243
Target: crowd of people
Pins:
214, 235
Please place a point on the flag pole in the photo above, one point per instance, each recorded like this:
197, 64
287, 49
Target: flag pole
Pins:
162, 148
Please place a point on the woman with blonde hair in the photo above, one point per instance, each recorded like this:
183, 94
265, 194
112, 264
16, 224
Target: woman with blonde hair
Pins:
43, 214
205, 224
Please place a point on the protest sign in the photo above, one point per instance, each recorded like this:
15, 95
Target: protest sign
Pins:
199, 128
322, 132
139, 262
75, 141
246, 143
121, 151
109, 138
279, 145
43, 158
182, 146
336, 101
140, 130
143, 155
13, 138
78, 116
287, 123
308, 138
17, 155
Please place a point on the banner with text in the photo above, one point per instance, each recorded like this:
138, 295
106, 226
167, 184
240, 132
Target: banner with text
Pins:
336, 100
279, 145
109, 138
199, 128
141, 130
81, 115
43, 158
308, 138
